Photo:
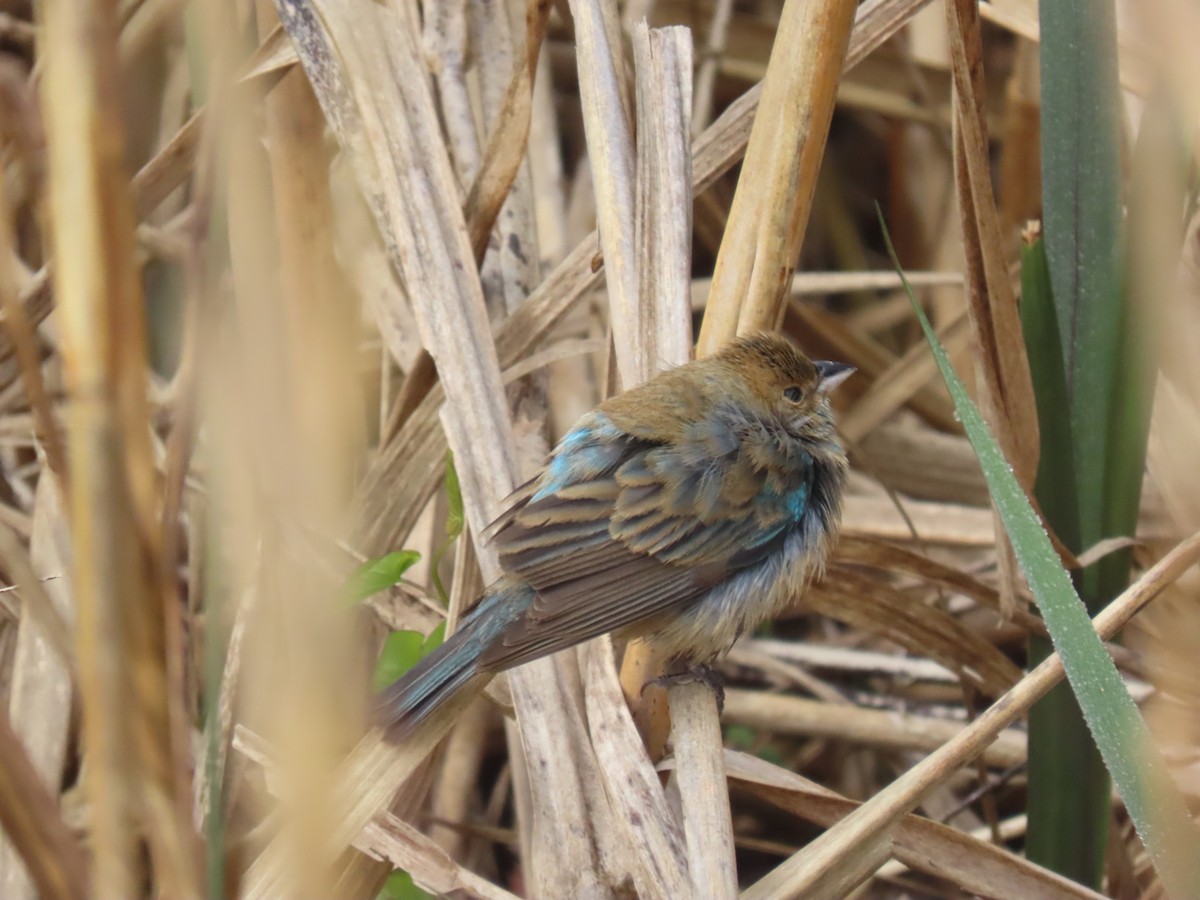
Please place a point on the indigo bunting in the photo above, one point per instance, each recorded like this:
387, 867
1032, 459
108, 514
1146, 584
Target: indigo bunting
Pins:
685, 511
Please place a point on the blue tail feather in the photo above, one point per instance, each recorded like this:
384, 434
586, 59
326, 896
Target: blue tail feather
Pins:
403, 705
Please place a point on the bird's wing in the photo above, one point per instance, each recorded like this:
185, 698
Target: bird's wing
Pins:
623, 529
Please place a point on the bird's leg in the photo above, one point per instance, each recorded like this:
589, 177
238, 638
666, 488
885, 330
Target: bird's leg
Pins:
701, 673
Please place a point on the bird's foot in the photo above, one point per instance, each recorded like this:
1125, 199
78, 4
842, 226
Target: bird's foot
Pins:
698, 674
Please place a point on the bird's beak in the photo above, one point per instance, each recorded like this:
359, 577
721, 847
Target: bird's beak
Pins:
832, 374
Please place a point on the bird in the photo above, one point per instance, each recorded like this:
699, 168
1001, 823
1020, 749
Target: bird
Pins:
684, 511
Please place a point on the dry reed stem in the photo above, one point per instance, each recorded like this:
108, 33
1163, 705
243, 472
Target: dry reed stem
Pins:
132, 750
877, 817
659, 229
663, 60
303, 442
770, 209
971, 863
663, 217
787, 186
610, 149
662, 237
860, 725
641, 813
704, 795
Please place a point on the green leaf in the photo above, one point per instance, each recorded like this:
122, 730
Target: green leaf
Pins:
399, 886
377, 575
401, 651
1138, 769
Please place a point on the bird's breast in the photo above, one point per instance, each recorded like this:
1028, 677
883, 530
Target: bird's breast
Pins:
707, 628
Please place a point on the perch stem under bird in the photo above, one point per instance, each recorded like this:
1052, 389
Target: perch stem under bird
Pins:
684, 511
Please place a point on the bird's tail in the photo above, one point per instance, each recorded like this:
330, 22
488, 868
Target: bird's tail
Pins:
453, 666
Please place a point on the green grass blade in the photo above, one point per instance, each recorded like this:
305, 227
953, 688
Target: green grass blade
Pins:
1068, 804
1106, 398
1138, 769
1081, 198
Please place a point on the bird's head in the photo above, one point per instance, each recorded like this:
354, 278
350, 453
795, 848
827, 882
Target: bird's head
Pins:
785, 383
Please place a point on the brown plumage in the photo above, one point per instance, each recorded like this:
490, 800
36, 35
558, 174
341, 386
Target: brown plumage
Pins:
688, 509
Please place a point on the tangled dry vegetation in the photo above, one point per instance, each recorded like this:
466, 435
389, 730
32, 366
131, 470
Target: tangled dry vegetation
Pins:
218, 398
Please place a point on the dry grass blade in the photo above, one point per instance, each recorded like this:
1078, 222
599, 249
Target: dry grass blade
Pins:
29, 815
882, 812
890, 558
43, 679
934, 523
505, 151
1007, 389
21, 336
849, 596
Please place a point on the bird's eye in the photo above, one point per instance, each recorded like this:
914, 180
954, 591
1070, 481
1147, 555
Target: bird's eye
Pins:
793, 393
